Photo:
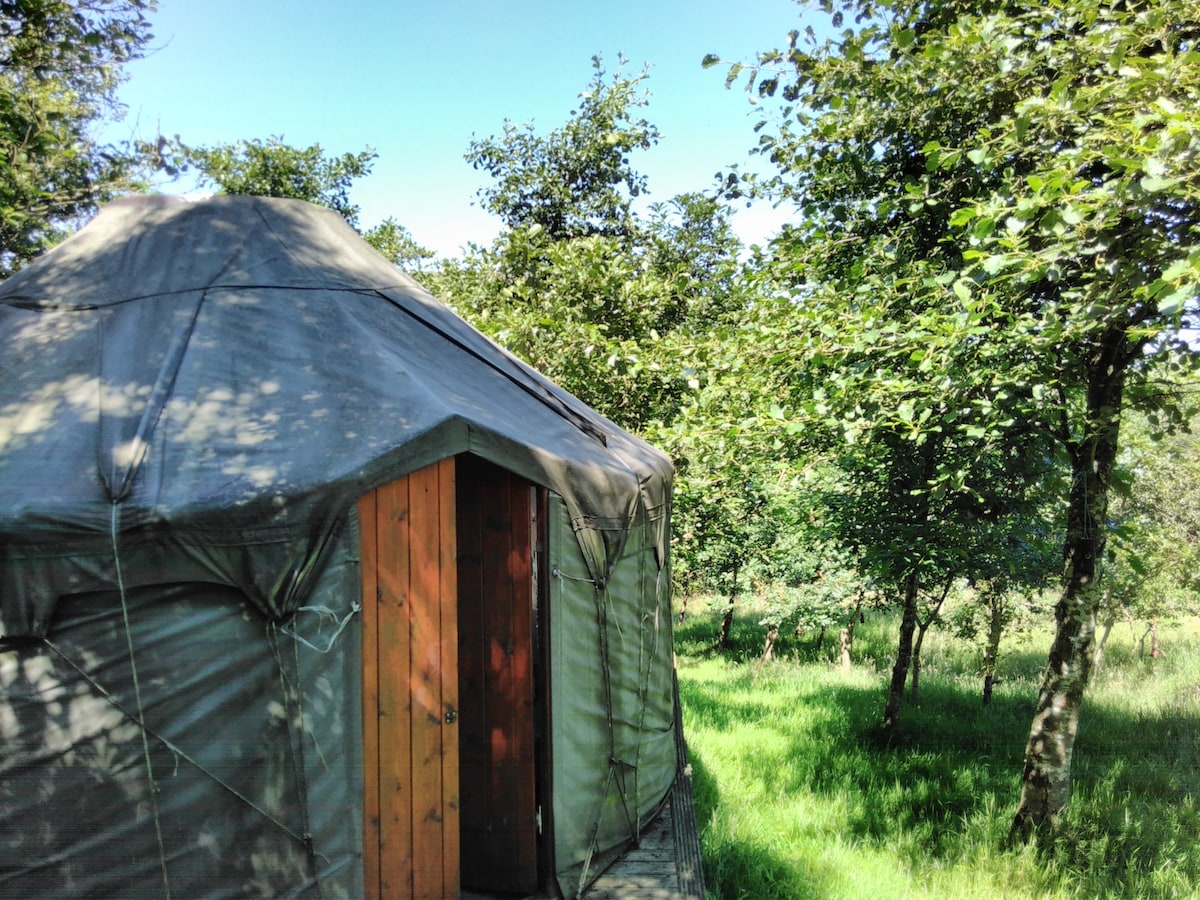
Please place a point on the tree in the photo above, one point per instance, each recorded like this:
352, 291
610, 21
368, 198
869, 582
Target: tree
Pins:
396, 243
603, 301
272, 168
632, 312
575, 181
1008, 193
60, 65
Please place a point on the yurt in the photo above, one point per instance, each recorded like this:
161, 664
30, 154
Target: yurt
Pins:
306, 587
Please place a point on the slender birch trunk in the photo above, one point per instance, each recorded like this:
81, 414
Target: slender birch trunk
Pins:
908, 625
922, 628
1046, 779
991, 653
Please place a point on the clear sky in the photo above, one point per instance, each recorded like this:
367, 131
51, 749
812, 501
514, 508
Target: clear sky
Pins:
416, 79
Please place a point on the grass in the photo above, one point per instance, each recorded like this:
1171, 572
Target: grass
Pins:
796, 798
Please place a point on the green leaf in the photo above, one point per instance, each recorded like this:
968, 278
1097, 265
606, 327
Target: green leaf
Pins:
961, 217
1173, 302
1153, 184
1071, 215
994, 264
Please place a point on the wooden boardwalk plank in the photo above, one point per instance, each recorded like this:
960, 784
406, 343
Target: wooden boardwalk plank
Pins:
651, 871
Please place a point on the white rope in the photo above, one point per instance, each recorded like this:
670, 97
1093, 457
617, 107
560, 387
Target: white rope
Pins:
295, 696
137, 696
561, 575
178, 752
325, 613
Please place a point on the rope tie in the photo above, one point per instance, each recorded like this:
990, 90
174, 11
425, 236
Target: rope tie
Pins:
294, 707
179, 752
137, 697
563, 576
645, 660
326, 614
616, 767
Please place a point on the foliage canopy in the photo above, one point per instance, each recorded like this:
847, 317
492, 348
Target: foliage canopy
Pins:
60, 64
577, 180
997, 253
272, 168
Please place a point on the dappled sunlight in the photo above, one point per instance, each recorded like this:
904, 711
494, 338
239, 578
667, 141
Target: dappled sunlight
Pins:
277, 354
242, 372
220, 414
224, 725
82, 398
41, 329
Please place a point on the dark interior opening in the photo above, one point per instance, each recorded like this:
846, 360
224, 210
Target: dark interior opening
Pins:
502, 747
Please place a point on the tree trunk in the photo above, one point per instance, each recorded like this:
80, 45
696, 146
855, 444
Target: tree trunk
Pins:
1046, 778
991, 653
908, 624
1155, 649
1109, 622
768, 650
726, 641
847, 634
922, 627
914, 691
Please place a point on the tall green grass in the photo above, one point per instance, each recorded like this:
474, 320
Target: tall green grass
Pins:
797, 798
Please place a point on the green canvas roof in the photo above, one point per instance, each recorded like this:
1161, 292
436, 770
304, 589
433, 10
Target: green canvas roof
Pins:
238, 370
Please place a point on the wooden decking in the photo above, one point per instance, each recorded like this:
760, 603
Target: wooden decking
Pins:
663, 866
666, 863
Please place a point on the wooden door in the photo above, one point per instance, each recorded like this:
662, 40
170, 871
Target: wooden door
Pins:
496, 596
410, 686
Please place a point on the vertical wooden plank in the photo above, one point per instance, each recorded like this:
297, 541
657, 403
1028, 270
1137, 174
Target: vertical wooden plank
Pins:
499, 849
448, 572
368, 566
542, 725
395, 733
425, 682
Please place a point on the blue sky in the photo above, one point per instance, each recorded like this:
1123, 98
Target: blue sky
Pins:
417, 80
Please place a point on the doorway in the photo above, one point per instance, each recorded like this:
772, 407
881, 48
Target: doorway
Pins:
500, 679
456, 757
